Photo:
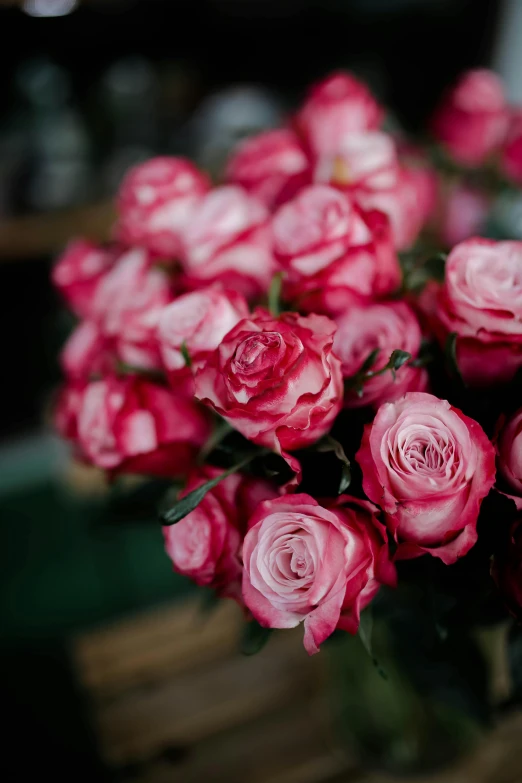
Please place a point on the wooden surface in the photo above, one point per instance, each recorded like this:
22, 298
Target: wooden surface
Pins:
174, 702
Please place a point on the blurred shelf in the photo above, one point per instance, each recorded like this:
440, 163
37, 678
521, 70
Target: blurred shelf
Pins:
40, 235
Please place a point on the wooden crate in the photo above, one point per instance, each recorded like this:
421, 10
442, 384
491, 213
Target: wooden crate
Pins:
174, 701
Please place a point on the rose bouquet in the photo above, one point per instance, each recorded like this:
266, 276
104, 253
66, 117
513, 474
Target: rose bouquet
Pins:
334, 401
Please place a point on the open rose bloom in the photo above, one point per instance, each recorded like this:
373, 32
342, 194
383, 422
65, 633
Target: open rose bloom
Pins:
323, 353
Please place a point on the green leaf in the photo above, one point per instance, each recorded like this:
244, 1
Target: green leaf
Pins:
435, 267
255, 637
185, 353
450, 351
370, 360
221, 429
192, 500
274, 293
365, 635
328, 443
396, 360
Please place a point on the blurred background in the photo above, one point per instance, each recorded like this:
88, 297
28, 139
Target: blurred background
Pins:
88, 88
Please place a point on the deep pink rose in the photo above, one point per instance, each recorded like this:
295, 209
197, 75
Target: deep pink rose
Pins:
155, 202
86, 352
198, 321
271, 166
78, 272
130, 425
511, 157
127, 307
366, 161
428, 466
228, 240
335, 108
386, 326
465, 211
509, 455
275, 380
507, 569
481, 300
472, 119
320, 566
206, 544
331, 251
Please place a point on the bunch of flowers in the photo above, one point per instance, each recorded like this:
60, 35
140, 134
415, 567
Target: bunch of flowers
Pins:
332, 399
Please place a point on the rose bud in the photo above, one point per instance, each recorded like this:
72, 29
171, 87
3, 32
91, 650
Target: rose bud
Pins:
275, 380
507, 570
130, 425
464, 215
365, 162
332, 252
156, 200
78, 271
385, 327
272, 166
509, 455
472, 120
206, 544
86, 352
127, 307
511, 157
196, 323
428, 466
228, 240
320, 566
481, 301
335, 108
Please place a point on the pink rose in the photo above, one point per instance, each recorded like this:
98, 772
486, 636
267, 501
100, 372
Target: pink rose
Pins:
86, 352
335, 108
228, 240
198, 321
206, 544
428, 466
366, 161
472, 120
275, 380
511, 158
156, 200
67, 407
386, 326
271, 166
331, 251
509, 459
131, 425
78, 272
320, 566
127, 307
481, 300
464, 214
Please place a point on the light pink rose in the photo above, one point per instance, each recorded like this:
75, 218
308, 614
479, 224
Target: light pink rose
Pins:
481, 300
366, 161
206, 545
464, 215
471, 122
130, 425
428, 466
509, 455
156, 200
275, 380
78, 272
320, 566
385, 326
511, 157
198, 320
228, 240
335, 108
271, 166
127, 307
331, 251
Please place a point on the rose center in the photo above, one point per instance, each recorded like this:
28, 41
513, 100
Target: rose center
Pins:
257, 352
